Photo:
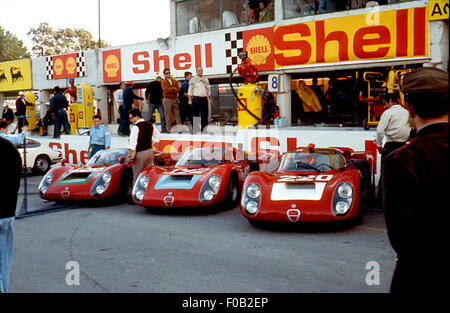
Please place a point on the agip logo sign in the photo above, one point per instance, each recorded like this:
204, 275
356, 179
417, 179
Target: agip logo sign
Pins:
15, 75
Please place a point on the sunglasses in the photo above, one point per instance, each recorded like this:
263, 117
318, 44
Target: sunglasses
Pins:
167, 73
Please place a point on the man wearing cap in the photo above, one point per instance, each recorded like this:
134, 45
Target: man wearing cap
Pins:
128, 97
21, 110
7, 115
415, 187
153, 96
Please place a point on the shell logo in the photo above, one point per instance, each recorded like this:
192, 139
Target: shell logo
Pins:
258, 48
58, 66
111, 66
71, 65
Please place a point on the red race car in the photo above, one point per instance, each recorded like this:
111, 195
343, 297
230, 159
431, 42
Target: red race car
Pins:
107, 174
310, 185
202, 177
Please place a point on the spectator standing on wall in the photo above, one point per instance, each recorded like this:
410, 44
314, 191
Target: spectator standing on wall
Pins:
185, 107
118, 98
128, 99
21, 111
199, 93
170, 89
153, 96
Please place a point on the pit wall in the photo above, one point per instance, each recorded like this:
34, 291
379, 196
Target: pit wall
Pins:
74, 147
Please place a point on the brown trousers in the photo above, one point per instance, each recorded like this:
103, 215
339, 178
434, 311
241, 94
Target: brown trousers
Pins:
142, 160
171, 109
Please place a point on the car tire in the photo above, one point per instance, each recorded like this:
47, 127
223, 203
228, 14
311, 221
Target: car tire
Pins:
126, 186
233, 191
41, 165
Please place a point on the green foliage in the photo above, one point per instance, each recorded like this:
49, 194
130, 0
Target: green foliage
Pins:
47, 41
11, 48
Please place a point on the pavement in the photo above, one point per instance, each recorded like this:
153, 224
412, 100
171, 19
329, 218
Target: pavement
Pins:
121, 248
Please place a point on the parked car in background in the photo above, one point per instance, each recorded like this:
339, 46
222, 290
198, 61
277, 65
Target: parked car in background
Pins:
39, 157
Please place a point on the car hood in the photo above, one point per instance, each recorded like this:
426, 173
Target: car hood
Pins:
180, 177
79, 175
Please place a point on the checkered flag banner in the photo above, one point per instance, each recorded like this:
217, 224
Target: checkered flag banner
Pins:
81, 65
233, 45
49, 68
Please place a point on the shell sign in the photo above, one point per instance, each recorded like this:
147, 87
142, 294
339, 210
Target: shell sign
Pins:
15, 75
259, 46
66, 65
112, 71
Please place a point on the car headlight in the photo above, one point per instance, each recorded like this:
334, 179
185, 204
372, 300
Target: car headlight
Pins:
208, 194
251, 207
342, 207
101, 184
139, 195
100, 189
106, 177
49, 178
253, 191
45, 182
214, 182
345, 191
143, 181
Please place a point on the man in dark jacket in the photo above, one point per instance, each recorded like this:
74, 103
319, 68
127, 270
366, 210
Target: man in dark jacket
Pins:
9, 188
124, 110
7, 115
58, 106
415, 187
153, 96
21, 111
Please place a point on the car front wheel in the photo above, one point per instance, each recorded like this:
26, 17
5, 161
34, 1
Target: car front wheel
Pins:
41, 164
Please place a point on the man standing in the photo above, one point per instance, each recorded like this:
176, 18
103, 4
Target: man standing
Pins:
153, 96
58, 106
393, 126
118, 98
170, 92
199, 92
140, 150
9, 189
128, 97
99, 138
7, 115
21, 111
415, 187
185, 107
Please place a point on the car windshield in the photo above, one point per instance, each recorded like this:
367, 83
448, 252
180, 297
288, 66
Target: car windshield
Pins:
107, 157
319, 160
201, 157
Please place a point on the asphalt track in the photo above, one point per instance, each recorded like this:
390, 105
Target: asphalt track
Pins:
121, 248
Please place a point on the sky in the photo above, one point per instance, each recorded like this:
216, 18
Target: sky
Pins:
121, 22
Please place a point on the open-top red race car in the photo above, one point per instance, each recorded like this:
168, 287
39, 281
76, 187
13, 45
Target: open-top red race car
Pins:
107, 174
202, 177
310, 185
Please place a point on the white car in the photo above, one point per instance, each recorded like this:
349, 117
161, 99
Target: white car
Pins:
39, 157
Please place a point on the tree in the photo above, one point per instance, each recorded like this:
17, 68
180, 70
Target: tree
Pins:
47, 41
11, 48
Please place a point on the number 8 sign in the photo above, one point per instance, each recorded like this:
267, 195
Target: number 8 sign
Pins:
274, 83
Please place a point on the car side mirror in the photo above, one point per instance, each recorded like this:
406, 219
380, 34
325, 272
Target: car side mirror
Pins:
347, 154
63, 162
122, 160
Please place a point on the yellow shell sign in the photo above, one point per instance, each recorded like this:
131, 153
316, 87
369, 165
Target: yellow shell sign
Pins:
258, 48
15, 75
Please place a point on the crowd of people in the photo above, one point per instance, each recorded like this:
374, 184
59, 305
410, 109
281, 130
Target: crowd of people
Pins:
177, 105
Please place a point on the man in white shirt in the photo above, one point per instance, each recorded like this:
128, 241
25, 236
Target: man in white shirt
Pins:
393, 125
140, 150
199, 93
118, 97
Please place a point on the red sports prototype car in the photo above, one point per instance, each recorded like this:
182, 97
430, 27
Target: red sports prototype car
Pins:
107, 174
202, 177
310, 185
